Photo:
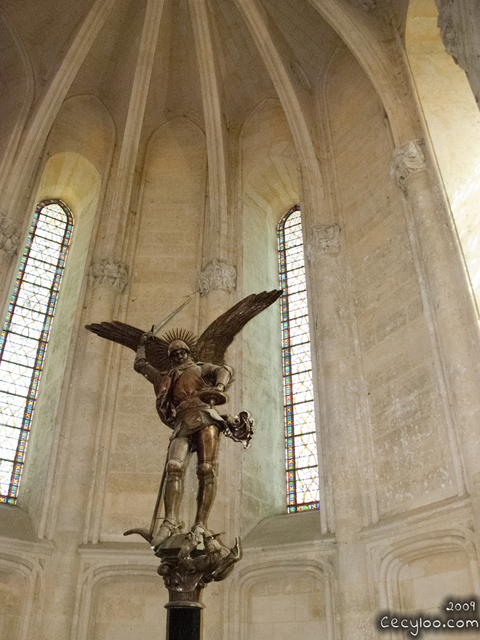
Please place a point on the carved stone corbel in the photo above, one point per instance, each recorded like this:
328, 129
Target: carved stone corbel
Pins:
407, 160
323, 239
108, 272
218, 275
9, 237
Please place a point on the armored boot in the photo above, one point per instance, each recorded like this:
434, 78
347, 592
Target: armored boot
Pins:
207, 486
173, 493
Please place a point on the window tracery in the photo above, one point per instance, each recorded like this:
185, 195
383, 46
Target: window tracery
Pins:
24, 338
300, 430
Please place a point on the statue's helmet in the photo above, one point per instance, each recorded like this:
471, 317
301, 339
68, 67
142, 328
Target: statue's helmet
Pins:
176, 345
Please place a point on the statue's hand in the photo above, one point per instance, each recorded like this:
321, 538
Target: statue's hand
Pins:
220, 387
146, 337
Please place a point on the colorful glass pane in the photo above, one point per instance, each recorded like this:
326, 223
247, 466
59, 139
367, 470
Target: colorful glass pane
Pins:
24, 338
300, 432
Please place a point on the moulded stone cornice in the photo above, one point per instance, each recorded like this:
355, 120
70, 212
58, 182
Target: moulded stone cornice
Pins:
50, 104
311, 175
216, 226
325, 544
452, 509
25, 550
103, 553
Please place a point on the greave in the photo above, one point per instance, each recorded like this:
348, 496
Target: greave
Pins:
207, 488
173, 492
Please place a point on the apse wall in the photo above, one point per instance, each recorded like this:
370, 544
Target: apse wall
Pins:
77, 160
412, 459
163, 271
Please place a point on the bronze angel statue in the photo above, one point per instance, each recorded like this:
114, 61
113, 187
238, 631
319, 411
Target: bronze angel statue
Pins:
189, 377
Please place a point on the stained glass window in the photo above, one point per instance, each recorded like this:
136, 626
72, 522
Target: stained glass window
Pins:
25, 335
300, 433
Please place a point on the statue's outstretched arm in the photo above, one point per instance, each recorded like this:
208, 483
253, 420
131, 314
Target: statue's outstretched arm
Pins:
141, 365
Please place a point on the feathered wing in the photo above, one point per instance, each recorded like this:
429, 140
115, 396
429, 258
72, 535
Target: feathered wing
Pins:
128, 336
213, 342
117, 332
211, 345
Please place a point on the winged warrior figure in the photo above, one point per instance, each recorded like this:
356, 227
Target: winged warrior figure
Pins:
189, 377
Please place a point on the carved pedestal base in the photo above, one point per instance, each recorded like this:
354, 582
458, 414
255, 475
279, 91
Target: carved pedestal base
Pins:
189, 562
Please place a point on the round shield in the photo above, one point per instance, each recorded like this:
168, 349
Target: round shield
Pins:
212, 397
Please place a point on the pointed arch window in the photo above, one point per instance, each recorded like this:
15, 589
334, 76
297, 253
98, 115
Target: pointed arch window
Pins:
300, 431
24, 338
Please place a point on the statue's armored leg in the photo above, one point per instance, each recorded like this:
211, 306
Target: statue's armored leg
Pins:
207, 451
173, 489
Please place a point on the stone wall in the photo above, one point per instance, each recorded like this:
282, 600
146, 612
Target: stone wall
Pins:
270, 189
191, 168
408, 428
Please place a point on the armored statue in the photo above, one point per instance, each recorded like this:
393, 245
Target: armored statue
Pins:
189, 377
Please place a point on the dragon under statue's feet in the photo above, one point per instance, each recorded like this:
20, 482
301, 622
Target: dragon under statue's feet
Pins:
187, 566
193, 539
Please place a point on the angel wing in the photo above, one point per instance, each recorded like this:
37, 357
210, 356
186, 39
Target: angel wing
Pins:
128, 336
211, 345
213, 342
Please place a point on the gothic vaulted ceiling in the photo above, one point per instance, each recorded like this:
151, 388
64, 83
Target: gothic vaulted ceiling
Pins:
195, 42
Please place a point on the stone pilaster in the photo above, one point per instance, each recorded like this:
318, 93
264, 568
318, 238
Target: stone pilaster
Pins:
450, 315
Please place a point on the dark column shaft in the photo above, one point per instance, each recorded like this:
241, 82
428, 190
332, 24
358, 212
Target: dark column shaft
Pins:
184, 623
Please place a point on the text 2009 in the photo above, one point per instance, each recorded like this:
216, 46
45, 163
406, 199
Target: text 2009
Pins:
461, 606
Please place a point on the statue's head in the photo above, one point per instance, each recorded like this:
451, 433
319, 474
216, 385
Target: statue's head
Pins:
178, 352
